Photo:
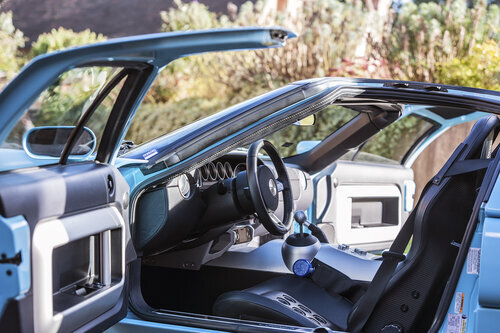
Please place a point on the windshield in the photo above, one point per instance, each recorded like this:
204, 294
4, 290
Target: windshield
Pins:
298, 138
393, 143
186, 91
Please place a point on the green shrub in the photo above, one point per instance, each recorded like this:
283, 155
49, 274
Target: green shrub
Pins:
62, 38
189, 16
11, 40
328, 30
423, 35
424, 42
479, 69
64, 101
154, 120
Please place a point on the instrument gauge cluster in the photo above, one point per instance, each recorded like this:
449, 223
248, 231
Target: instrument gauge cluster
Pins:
214, 172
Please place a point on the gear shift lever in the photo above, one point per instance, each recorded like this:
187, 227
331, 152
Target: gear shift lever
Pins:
301, 219
299, 246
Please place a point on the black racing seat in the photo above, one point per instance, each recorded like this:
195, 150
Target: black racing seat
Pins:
412, 294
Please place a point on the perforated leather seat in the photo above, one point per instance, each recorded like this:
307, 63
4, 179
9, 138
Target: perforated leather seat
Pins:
413, 293
286, 299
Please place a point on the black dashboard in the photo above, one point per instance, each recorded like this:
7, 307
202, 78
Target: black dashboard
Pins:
187, 211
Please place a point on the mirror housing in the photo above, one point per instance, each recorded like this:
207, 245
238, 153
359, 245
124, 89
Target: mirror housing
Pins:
49, 141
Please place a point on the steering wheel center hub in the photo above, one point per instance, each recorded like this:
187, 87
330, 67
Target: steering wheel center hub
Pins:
272, 187
268, 187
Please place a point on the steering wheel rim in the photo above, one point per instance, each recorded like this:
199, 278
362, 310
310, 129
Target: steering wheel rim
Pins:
266, 214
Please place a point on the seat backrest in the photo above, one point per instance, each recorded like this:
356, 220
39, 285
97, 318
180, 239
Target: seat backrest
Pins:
441, 215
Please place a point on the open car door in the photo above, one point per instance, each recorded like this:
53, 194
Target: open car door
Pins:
77, 216
64, 208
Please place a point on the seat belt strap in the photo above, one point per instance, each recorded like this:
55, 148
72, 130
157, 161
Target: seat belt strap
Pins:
466, 166
366, 304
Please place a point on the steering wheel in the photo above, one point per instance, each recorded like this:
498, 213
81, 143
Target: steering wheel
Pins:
264, 188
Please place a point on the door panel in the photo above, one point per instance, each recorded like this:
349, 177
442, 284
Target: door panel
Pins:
362, 204
78, 221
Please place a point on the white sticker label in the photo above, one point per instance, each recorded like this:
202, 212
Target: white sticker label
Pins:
150, 154
455, 324
473, 260
459, 302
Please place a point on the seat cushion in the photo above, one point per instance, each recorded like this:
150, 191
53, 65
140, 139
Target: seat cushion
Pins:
286, 300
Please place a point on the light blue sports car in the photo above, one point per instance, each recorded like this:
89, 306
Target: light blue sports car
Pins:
291, 212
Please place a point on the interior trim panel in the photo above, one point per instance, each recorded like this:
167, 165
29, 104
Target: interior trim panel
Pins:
268, 257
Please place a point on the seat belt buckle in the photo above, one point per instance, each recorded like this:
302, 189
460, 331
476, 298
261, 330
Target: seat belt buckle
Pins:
394, 255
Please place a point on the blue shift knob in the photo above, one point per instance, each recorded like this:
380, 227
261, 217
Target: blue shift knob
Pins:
302, 267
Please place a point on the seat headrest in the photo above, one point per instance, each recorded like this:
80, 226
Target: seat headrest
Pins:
479, 133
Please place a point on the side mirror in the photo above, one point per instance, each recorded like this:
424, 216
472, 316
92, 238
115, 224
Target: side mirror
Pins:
304, 146
49, 141
307, 121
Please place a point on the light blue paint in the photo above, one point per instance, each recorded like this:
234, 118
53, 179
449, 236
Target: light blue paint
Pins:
467, 284
132, 324
489, 291
14, 238
481, 305
304, 146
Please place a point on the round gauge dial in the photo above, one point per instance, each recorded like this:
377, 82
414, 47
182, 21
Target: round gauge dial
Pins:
205, 173
229, 170
240, 167
184, 185
198, 179
221, 172
212, 172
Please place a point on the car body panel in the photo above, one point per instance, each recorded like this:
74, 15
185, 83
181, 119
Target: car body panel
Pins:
476, 303
15, 249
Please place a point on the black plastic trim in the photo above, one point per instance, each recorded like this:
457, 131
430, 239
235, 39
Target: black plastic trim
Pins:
64, 182
77, 131
120, 112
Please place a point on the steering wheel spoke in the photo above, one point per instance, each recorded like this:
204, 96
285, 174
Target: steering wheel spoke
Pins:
274, 217
279, 185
